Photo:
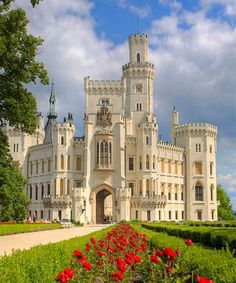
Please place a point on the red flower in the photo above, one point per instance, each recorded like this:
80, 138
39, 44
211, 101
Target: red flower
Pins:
201, 279
169, 253
88, 247
137, 258
159, 253
178, 252
169, 269
78, 253
100, 253
61, 277
117, 276
86, 265
121, 264
101, 244
155, 259
188, 242
99, 263
69, 273
92, 240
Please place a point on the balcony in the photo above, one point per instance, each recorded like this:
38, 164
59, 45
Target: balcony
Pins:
50, 201
156, 200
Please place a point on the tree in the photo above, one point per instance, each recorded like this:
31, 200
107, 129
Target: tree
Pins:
13, 200
18, 67
225, 211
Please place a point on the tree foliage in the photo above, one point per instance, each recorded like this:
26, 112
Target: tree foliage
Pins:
225, 211
13, 200
18, 67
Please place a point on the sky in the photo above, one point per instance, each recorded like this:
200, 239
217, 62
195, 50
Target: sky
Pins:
191, 42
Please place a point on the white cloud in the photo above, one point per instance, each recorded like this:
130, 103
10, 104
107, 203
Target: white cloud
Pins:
229, 5
140, 11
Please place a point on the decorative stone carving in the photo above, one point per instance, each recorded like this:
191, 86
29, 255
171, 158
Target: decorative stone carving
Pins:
104, 117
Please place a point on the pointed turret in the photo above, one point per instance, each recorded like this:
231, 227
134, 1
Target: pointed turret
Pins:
51, 117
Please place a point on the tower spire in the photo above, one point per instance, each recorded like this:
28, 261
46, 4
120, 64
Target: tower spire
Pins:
52, 102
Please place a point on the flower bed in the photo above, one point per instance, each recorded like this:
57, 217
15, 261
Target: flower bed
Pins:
126, 255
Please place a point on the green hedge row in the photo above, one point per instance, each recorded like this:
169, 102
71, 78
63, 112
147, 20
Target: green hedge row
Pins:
8, 229
213, 224
213, 237
218, 265
42, 263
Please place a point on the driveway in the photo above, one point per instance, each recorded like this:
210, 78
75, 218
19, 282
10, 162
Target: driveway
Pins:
28, 240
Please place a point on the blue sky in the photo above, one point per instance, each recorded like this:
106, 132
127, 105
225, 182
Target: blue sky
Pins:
192, 44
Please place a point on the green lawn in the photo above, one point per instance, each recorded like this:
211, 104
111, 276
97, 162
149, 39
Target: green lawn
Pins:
8, 229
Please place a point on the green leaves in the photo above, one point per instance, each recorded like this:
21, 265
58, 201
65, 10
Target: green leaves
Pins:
225, 211
18, 67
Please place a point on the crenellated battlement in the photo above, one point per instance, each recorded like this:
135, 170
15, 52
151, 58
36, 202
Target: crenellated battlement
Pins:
195, 129
102, 84
138, 38
167, 146
137, 66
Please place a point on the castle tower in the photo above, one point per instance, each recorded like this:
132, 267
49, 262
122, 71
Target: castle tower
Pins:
199, 141
138, 77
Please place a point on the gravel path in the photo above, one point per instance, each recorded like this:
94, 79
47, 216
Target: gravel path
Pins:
28, 240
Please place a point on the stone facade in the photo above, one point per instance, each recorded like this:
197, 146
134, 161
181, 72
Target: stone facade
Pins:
119, 169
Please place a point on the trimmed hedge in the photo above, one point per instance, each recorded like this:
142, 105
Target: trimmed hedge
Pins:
213, 237
218, 265
42, 263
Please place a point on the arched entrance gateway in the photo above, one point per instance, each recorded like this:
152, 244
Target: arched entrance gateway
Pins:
103, 208
104, 211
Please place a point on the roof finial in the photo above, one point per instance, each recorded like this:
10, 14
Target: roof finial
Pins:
52, 101
174, 108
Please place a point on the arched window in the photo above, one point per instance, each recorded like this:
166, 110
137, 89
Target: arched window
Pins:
147, 140
147, 187
198, 192
61, 187
212, 192
154, 187
97, 152
62, 161
102, 152
68, 162
137, 106
153, 161
138, 57
147, 162
55, 162
62, 140
140, 106
106, 154
110, 153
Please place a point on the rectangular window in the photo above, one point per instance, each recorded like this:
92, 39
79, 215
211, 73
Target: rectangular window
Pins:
162, 188
136, 214
196, 147
210, 148
182, 196
198, 193
78, 163
49, 165
198, 168
42, 166
213, 214
169, 196
49, 215
182, 214
148, 215
169, 215
169, 167
36, 192
131, 185
104, 102
139, 88
55, 162
30, 192
211, 168
176, 168
162, 166
182, 168
42, 191
37, 167
199, 214
176, 215
41, 214
131, 163
199, 147
176, 196
49, 190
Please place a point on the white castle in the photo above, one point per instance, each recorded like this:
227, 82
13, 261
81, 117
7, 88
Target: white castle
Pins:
119, 170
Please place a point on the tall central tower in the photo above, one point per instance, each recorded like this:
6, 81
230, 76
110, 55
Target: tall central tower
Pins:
137, 78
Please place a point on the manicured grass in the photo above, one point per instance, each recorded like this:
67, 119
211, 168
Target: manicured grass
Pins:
8, 229
219, 265
42, 263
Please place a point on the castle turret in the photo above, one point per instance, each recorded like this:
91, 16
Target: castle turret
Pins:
199, 141
174, 123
